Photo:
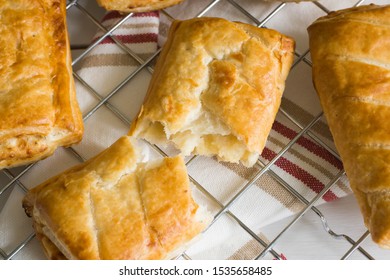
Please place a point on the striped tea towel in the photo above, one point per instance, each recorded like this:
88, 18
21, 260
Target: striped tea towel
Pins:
307, 166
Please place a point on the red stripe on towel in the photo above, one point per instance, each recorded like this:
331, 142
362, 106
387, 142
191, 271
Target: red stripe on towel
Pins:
133, 38
311, 146
297, 172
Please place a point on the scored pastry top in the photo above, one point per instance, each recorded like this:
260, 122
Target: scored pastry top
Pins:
114, 206
351, 56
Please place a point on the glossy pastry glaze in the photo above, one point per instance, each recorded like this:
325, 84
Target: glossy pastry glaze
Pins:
38, 107
115, 207
216, 89
137, 5
351, 57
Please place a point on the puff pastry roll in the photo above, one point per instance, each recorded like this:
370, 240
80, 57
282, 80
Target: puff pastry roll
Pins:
38, 106
137, 5
351, 58
216, 89
297, 1
114, 206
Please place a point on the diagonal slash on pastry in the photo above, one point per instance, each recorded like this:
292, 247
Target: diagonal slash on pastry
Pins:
114, 206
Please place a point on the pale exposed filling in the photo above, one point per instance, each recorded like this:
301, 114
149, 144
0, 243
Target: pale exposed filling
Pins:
205, 135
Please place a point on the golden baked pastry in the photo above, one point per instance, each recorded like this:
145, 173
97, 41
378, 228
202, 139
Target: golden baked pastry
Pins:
216, 89
114, 206
136, 5
296, 1
38, 106
351, 56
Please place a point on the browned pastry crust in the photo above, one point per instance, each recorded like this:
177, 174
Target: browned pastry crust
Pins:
38, 106
297, 1
115, 207
351, 57
136, 5
216, 89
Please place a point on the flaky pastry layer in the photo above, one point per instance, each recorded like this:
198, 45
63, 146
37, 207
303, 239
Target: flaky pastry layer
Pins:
216, 89
137, 5
38, 106
297, 1
115, 207
351, 56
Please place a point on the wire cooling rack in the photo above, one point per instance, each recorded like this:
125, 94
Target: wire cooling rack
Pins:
11, 181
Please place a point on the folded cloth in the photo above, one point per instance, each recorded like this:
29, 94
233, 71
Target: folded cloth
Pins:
307, 166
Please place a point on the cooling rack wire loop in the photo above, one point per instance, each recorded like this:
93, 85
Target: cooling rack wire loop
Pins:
268, 247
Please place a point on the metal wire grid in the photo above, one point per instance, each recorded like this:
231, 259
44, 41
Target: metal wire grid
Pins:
224, 209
